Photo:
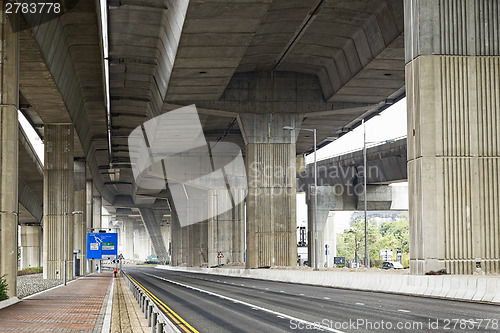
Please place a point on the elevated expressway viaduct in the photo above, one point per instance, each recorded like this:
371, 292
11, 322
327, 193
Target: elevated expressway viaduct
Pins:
251, 68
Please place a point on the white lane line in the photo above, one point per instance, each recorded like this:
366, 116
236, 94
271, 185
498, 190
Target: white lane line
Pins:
360, 303
326, 297
406, 311
252, 306
302, 295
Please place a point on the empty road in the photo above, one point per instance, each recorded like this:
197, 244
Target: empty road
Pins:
216, 304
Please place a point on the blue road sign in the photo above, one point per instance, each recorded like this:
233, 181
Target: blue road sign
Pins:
339, 260
102, 246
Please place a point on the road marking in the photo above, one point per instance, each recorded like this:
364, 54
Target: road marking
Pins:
281, 291
302, 295
360, 303
406, 311
252, 306
326, 297
174, 316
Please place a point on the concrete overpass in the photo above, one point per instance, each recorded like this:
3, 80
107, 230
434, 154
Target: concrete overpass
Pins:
252, 67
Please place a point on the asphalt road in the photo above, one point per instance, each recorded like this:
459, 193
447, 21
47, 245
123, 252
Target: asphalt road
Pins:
216, 304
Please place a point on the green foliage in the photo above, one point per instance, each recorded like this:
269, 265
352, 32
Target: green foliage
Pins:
30, 270
3, 288
390, 235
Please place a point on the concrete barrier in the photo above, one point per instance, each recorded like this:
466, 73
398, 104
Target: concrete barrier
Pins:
455, 287
496, 298
491, 290
480, 289
471, 288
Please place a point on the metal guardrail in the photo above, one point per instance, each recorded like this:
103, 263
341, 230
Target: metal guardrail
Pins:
157, 320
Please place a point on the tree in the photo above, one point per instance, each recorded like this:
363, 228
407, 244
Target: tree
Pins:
390, 236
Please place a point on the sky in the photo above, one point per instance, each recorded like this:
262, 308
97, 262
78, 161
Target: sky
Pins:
390, 124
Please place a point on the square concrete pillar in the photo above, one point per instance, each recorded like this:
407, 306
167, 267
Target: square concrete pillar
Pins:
453, 98
271, 200
58, 200
9, 102
31, 255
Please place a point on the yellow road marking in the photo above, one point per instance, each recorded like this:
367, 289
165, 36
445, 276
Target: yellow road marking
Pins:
171, 313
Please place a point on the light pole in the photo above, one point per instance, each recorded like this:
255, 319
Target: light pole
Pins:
315, 222
367, 255
66, 240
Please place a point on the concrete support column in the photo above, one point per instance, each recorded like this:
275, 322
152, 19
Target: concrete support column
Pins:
177, 256
9, 101
58, 199
166, 234
453, 97
142, 242
80, 224
152, 222
31, 255
89, 187
97, 212
128, 239
226, 231
271, 199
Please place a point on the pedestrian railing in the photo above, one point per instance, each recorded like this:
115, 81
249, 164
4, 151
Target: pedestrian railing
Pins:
157, 320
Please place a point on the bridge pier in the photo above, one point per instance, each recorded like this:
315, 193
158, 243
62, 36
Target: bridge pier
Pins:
31, 246
80, 224
152, 222
128, 238
329, 198
9, 102
58, 200
271, 200
453, 61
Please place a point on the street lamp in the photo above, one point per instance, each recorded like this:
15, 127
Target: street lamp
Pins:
315, 222
367, 254
66, 240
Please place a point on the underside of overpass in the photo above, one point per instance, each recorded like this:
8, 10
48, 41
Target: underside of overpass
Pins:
251, 68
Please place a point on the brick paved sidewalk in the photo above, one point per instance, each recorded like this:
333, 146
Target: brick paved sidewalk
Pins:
77, 307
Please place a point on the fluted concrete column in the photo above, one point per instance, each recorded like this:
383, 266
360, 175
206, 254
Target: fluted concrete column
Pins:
97, 212
453, 98
142, 242
9, 101
31, 255
80, 224
226, 231
58, 199
177, 249
128, 239
271, 200
89, 208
